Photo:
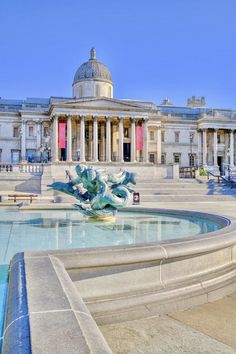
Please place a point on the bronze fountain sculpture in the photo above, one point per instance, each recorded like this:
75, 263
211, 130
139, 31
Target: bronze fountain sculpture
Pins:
99, 192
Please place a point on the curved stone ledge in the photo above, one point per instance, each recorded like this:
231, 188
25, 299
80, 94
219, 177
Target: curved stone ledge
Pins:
45, 314
122, 283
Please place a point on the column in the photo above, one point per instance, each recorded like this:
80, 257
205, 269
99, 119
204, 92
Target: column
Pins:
108, 139
69, 140
215, 147
95, 138
159, 145
199, 147
204, 156
145, 141
133, 140
231, 156
103, 142
121, 140
82, 146
55, 139
23, 140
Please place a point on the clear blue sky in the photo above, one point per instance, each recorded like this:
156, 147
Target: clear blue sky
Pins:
153, 48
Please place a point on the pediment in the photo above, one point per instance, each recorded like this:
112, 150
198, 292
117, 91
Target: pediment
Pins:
106, 103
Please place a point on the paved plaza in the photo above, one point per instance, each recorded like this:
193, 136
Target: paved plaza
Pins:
209, 328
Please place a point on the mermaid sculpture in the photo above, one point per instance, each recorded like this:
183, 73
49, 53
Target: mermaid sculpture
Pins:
100, 194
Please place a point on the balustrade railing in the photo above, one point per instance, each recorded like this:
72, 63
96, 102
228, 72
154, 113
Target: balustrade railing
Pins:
21, 168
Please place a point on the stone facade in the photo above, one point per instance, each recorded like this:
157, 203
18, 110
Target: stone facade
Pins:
100, 128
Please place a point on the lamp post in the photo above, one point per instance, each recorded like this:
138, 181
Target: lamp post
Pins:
191, 135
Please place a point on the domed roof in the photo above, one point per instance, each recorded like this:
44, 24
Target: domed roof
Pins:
92, 70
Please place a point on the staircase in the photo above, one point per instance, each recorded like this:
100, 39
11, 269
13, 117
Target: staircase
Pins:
182, 190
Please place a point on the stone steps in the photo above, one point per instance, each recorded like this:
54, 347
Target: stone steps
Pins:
186, 198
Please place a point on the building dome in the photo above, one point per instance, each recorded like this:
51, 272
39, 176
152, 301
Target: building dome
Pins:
92, 79
92, 70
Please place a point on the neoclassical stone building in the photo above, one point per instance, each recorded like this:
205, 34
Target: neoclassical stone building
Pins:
92, 126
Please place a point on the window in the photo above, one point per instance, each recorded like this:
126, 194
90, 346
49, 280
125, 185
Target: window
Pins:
30, 155
109, 91
126, 132
15, 156
31, 131
191, 160
176, 137
162, 137
151, 135
163, 159
16, 132
177, 158
80, 91
151, 158
45, 132
0, 155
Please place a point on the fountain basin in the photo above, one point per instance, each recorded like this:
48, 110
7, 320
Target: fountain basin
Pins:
125, 282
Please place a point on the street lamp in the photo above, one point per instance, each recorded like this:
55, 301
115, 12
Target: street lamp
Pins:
191, 135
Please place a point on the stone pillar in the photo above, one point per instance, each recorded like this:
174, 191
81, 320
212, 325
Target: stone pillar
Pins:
23, 140
159, 145
231, 156
69, 140
82, 137
95, 138
121, 140
215, 147
204, 148
103, 142
145, 141
199, 147
133, 140
108, 139
55, 139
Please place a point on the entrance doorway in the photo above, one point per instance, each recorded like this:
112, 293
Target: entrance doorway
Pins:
220, 163
126, 152
63, 154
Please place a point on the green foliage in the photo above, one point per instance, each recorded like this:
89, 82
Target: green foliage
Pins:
202, 172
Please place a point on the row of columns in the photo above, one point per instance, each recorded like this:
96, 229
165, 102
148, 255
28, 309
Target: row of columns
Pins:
95, 139
215, 146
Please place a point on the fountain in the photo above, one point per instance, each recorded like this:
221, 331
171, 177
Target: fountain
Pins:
101, 194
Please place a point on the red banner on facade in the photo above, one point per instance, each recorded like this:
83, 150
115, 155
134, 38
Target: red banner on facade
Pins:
139, 137
62, 135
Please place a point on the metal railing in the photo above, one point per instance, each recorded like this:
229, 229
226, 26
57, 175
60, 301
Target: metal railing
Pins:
187, 172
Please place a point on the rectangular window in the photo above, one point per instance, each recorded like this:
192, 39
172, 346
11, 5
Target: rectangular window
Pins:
15, 156
176, 137
151, 158
162, 137
126, 132
191, 160
177, 158
45, 132
0, 155
30, 155
163, 159
31, 131
16, 132
151, 135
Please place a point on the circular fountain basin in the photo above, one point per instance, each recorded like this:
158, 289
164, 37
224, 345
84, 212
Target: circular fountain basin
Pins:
150, 268
147, 262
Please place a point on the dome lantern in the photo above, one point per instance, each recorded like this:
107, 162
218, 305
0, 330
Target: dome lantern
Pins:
92, 79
